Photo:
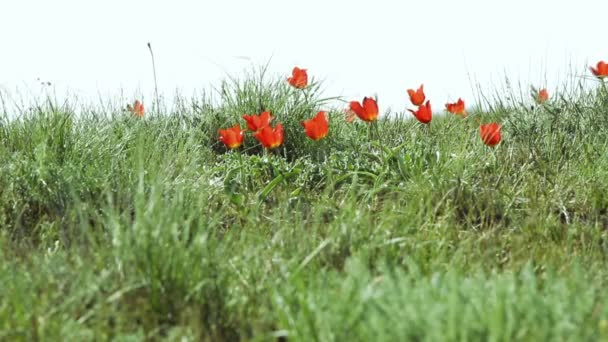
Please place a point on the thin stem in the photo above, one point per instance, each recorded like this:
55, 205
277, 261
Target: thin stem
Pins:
241, 166
376, 131
155, 81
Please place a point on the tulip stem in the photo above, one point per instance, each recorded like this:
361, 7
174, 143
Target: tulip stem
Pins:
373, 131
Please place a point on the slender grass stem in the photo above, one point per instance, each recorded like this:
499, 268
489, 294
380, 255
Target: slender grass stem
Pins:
155, 79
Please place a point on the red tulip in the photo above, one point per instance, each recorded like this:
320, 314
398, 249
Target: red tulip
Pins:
417, 97
257, 122
232, 137
137, 108
601, 70
368, 112
542, 96
270, 137
424, 113
456, 108
317, 127
490, 133
299, 78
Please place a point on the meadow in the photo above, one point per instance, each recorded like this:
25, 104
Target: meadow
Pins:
116, 226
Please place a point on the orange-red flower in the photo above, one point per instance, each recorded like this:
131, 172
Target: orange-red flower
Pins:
542, 96
270, 137
299, 78
456, 108
137, 108
490, 133
601, 70
366, 112
317, 127
232, 137
417, 97
424, 113
257, 122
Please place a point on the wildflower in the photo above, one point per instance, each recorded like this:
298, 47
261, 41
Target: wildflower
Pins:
299, 78
270, 137
317, 127
366, 112
417, 97
601, 70
456, 108
137, 108
424, 113
542, 96
349, 115
232, 137
257, 122
490, 133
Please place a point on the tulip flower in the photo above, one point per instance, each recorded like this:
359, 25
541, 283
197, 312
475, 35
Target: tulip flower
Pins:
299, 78
456, 108
542, 96
317, 127
366, 112
137, 108
490, 133
257, 122
417, 97
601, 70
270, 137
424, 113
232, 137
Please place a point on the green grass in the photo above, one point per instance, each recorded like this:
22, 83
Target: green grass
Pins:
118, 228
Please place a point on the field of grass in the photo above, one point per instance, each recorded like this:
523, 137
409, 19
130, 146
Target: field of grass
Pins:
114, 227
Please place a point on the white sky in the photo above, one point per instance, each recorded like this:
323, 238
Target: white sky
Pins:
359, 47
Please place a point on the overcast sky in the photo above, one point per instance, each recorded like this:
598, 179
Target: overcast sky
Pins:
358, 47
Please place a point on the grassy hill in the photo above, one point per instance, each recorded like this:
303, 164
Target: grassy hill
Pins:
126, 228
